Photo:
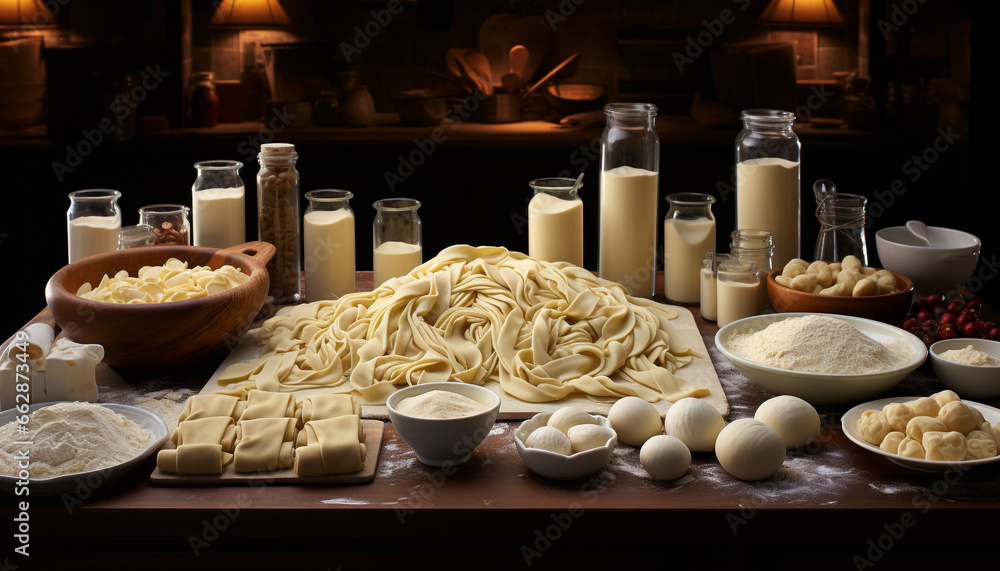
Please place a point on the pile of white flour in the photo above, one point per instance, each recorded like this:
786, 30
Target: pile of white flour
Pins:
71, 437
817, 344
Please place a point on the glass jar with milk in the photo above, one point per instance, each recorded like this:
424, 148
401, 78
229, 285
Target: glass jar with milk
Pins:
328, 244
397, 238
755, 246
630, 166
738, 287
688, 234
218, 204
93, 222
555, 221
767, 179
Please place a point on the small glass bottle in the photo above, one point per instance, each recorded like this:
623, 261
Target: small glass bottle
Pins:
218, 200
169, 223
739, 284
136, 236
328, 245
278, 218
710, 284
555, 221
755, 246
841, 228
767, 179
630, 166
397, 238
204, 101
688, 234
93, 222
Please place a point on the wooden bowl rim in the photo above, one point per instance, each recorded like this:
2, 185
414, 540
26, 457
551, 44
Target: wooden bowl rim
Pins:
804, 295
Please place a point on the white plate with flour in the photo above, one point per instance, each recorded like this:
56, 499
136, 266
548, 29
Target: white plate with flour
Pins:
825, 388
82, 483
849, 424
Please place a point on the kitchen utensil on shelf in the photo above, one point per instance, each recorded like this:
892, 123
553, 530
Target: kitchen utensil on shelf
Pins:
919, 229
518, 58
472, 78
510, 82
573, 98
501, 32
823, 187
479, 63
453, 59
550, 75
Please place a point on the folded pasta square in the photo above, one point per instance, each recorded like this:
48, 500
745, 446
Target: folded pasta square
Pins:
265, 404
323, 406
334, 446
204, 406
265, 444
202, 458
210, 430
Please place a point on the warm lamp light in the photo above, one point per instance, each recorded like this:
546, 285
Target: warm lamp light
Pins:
804, 12
25, 13
250, 14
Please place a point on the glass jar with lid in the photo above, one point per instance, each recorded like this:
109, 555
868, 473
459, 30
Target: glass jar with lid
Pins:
93, 222
555, 221
755, 246
328, 244
397, 238
278, 218
688, 234
218, 200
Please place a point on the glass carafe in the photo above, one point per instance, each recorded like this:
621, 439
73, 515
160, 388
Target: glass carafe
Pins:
755, 246
767, 179
555, 221
397, 238
841, 228
93, 222
278, 218
169, 223
630, 166
328, 244
218, 200
688, 234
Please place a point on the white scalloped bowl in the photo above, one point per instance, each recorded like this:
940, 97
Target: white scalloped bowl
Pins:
559, 466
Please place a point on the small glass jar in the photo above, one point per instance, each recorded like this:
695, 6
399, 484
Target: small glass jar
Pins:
278, 218
739, 284
755, 246
630, 166
397, 238
136, 236
555, 221
328, 245
204, 101
841, 228
688, 234
218, 200
767, 179
93, 222
169, 223
709, 284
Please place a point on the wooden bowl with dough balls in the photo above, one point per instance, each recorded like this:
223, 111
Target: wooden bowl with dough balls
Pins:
147, 336
887, 308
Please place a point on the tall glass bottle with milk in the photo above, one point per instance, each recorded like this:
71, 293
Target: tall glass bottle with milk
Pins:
218, 200
93, 222
630, 166
328, 245
397, 238
767, 179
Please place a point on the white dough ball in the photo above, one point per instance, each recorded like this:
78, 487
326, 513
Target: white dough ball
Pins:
551, 439
665, 457
749, 449
695, 423
586, 436
795, 420
635, 420
568, 417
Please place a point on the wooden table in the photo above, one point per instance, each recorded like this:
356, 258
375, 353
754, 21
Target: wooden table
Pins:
832, 506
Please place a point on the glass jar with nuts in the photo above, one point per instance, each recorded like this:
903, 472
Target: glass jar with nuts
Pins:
278, 218
169, 223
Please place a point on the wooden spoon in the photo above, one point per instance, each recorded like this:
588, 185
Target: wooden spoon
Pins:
518, 58
478, 62
550, 74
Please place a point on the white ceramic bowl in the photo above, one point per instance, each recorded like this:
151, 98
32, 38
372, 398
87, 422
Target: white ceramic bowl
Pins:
935, 269
557, 466
820, 388
967, 380
444, 441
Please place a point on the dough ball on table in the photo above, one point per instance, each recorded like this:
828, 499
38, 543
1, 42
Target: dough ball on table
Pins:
586, 436
960, 417
665, 457
911, 448
873, 426
945, 397
568, 417
899, 414
918, 425
795, 420
945, 446
551, 439
635, 420
891, 441
926, 406
749, 449
695, 423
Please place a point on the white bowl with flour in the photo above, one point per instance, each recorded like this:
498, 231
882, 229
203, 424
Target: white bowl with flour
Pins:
858, 381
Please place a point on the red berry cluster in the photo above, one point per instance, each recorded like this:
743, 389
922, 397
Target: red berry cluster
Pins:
935, 318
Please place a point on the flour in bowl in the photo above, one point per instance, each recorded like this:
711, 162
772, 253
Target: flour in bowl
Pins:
817, 344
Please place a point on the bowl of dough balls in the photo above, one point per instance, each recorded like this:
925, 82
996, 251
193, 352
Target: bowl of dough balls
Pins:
847, 287
969, 366
566, 444
931, 434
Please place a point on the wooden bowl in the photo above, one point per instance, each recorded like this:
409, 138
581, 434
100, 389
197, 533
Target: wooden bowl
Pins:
572, 98
887, 308
160, 335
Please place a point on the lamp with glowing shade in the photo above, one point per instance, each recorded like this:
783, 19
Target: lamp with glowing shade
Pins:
246, 14
802, 12
25, 14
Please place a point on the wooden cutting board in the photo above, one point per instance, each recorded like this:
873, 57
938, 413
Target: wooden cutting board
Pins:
700, 372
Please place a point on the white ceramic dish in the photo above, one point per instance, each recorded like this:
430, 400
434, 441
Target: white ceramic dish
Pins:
975, 381
820, 388
95, 478
557, 466
932, 269
444, 441
849, 424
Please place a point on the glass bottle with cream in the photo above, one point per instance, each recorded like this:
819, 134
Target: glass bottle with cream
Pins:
688, 234
93, 222
218, 200
555, 221
328, 245
397, 238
